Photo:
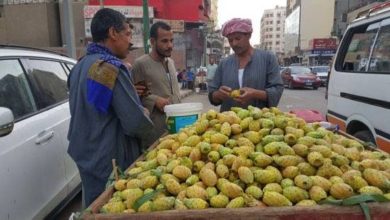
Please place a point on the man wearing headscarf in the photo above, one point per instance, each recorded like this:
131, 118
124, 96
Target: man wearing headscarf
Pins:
254, 72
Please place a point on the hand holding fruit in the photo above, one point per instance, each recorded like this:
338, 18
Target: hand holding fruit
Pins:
223, 93
246, 95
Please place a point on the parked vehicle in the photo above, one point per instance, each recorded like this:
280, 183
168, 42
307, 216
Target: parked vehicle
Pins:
299, 77
322, 72
359, 83
37, 175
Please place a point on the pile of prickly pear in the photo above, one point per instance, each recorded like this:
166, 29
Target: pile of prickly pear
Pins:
250, 157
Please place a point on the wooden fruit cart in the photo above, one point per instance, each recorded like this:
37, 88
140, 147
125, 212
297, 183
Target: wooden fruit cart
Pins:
378, 211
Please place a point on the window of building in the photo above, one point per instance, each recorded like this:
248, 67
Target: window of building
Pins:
277, 42
278, 28
278, 36
277, 22
271, 22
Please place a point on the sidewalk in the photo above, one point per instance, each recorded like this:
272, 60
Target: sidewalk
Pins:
185, 92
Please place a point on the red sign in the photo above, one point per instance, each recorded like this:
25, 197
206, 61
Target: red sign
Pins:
323, 43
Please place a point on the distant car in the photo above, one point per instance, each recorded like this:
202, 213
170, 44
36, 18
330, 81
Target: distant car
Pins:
300, 77
322, 72
37, 175
281, 69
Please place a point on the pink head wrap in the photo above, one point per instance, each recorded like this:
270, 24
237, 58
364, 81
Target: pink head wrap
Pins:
237, 25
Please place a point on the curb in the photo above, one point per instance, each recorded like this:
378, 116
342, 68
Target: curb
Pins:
186, 93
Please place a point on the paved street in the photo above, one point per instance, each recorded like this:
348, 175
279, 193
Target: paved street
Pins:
291, 99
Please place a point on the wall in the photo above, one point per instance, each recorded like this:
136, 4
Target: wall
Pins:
31, 25
78, 23
187, 10
316, 20
343, 7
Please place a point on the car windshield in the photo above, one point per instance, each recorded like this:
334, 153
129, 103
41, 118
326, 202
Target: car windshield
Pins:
299, 70
320, 69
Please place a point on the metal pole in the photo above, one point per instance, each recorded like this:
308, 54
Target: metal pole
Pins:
205, 47
146, 21
101, 3
69, 29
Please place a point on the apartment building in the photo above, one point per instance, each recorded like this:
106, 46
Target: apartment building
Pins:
308, 21
272, 30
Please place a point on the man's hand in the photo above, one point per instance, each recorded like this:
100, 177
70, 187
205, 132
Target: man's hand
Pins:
141, 90
222, 94
249, 94
161, 103
146, 112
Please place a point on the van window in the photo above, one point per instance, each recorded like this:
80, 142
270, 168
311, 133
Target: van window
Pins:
15, 93
48, 80
380, 59
358, 52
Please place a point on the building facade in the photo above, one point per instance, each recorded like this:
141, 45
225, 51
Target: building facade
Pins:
346, 11
272, 30
306, 21
43, 21
190, 18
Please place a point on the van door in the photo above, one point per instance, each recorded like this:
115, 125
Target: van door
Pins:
359, 87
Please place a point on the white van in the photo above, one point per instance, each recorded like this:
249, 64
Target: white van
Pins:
37, 175
359, 83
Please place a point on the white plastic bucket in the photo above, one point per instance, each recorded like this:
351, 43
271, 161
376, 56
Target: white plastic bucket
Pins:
182, 115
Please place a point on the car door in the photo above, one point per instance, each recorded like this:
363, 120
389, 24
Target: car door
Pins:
24, 169
48, 82
32, 155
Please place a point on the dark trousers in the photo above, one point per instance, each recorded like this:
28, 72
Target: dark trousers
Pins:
190, 84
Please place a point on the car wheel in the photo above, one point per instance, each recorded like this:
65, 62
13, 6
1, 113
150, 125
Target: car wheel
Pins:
290, 85
315, 87
365, 136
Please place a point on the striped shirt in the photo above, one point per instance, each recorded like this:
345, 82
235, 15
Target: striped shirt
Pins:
261, 73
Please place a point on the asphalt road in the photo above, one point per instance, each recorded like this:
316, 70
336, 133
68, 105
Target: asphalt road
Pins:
291, 99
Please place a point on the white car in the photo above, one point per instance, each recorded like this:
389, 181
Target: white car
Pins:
37, 175
322, 72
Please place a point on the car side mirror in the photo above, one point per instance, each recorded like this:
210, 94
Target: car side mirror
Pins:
6, 121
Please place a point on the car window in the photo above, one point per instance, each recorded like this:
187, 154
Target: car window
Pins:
69, 66
299, 70
320, 69
380, 59
15, 93
48, 80
358, 52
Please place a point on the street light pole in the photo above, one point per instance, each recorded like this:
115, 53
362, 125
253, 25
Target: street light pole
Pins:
69, 29
146, 21
205, 48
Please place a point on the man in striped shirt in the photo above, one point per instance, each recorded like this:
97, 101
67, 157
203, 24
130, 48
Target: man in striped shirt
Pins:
254, 72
